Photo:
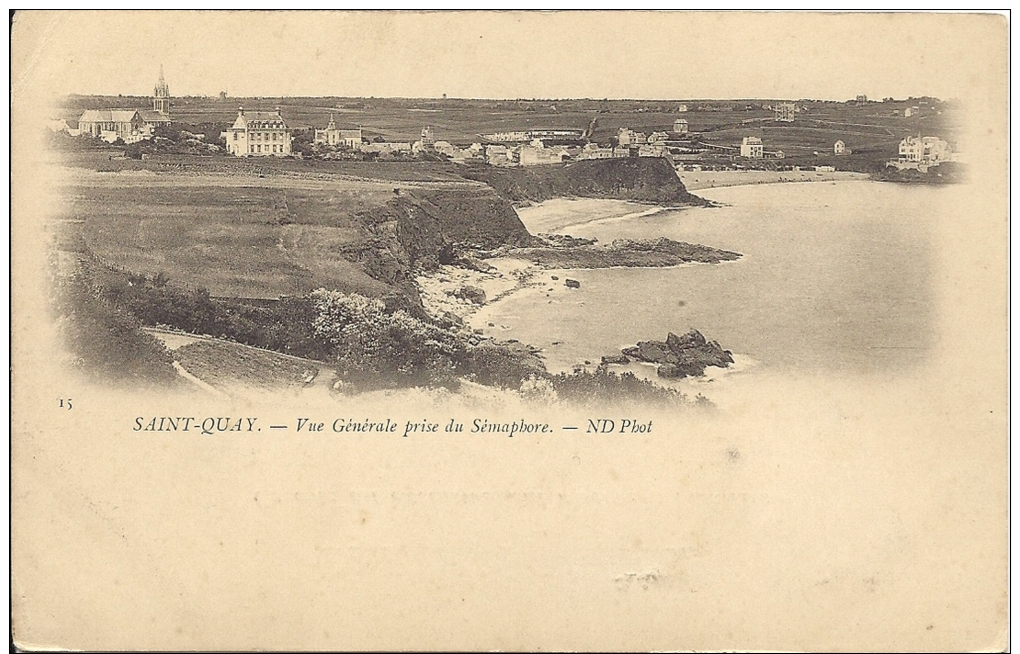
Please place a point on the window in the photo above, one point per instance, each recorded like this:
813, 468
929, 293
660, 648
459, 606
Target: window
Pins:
235, 136
274, 137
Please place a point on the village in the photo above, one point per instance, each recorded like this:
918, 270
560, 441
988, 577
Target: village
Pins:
753, 143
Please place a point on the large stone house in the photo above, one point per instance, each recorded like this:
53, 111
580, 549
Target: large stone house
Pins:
258, 134
927, 150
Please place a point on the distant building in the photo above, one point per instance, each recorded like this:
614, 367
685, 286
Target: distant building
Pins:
785, 112
536, 154
350, 138
593, 151
682, 108
113, 124
525, 136
387, 148
680, 126
908, 112
129, 125
258, 134
652, 150
428, 137
626, 137
752, 148
839, 148
658, 137
498, 155
926, 150
862, 99
508, 137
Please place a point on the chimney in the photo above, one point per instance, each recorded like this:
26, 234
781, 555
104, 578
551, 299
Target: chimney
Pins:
240, 111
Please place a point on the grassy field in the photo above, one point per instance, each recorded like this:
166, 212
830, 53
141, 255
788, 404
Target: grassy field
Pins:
233, 235
461, 121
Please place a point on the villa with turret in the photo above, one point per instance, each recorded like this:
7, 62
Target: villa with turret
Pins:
258, 134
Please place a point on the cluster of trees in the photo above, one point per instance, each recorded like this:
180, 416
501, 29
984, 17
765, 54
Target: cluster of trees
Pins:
284, 326
106, 341
179, 138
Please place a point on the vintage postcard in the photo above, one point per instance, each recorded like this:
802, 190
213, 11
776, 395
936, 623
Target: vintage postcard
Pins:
509, 331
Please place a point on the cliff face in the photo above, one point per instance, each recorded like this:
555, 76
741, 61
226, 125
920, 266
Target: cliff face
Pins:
641, 179
421, 229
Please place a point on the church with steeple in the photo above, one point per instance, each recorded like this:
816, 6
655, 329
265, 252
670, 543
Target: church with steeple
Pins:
160, 114
350, 138
129, 125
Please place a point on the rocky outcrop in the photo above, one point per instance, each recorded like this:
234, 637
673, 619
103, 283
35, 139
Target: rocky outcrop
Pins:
631, 253
681, 356
641, 179
472, 294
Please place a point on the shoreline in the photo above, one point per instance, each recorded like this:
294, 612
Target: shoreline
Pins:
709, 179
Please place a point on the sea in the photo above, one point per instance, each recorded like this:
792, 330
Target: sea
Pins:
835, 277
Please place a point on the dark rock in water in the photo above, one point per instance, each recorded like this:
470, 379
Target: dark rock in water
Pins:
669, 371
572, 283
681, 356
616, 358
472, 294
651, 351
555, 278
692, 338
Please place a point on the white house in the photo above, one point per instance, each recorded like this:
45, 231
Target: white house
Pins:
680, 126
752, 148
258, 134
927, 150
839, 148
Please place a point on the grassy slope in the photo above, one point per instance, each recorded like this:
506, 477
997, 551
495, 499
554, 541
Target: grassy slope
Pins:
281, 228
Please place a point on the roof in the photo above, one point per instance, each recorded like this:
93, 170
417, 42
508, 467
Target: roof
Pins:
150, 116
247, 119
108, 116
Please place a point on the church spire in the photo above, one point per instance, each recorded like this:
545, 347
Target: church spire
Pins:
161, 94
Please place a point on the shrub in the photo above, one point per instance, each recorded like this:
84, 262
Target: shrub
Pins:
376, 349
604, 386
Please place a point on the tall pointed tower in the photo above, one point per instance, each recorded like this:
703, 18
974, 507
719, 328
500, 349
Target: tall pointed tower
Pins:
161, 95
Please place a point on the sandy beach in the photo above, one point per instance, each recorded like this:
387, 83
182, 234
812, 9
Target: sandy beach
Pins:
702, 179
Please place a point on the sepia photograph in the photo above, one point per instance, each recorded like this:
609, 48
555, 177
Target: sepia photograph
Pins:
509, 330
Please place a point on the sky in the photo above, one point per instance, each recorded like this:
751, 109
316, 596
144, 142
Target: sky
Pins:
620, 54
